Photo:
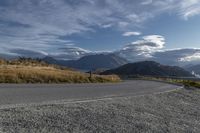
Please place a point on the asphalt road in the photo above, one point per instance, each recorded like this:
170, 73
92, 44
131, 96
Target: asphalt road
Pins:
36, 93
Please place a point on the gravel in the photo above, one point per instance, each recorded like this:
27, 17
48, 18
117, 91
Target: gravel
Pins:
176, 111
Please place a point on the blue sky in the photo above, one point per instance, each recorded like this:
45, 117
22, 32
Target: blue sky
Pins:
178, 33
70, 29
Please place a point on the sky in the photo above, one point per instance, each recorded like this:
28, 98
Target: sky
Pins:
70, 29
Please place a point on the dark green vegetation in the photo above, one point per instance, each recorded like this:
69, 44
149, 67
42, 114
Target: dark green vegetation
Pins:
175, 112
149, 68
36, 71
90, 62
188, 83
191, 83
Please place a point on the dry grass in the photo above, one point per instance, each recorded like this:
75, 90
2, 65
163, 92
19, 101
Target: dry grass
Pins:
39, 72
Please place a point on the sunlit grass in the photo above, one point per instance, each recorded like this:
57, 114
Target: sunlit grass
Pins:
40, 72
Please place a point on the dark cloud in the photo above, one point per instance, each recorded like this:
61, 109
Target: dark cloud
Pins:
28, 53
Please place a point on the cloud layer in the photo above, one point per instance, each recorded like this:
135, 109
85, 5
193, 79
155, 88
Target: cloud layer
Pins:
152, 48
132, 33
40, 24
142, 49
42, 27
149, 47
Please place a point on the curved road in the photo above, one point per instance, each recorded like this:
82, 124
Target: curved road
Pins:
36, 93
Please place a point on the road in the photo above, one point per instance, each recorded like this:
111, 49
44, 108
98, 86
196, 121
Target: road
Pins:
11, 94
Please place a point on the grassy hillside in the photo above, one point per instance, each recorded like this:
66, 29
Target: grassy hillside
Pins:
35, 71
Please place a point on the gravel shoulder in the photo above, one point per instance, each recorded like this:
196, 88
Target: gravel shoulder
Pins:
175, 111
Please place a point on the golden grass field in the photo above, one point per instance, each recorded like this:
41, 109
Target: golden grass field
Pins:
31, 71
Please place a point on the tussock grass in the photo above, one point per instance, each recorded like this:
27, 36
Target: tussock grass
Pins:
33, 71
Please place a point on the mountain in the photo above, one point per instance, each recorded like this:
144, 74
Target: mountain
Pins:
149, 68
103, 61
90, 62
51, 60
194, 68
175, 57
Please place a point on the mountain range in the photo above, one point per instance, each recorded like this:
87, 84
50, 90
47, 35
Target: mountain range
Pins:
175, 57
114, 64
194, 69
90, 62
149, 68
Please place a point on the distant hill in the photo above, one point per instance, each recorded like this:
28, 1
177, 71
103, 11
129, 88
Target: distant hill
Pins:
51, 60
149, 68
91, 62
194, 68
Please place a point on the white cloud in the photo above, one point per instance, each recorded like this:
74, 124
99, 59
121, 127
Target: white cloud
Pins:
152, 48
132, 33
42, 26
148, 44
107, 25
174, 56
142, 49
192, 57
189, 8
70, 53
158, 40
